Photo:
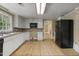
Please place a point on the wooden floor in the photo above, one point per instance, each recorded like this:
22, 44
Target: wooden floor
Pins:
42, 48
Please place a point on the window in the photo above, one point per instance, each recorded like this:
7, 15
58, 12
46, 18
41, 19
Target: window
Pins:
5, 22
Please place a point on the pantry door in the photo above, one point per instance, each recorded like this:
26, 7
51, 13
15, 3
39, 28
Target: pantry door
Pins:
47, 29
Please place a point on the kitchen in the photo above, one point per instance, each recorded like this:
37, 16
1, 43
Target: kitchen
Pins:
19, 32
21, 23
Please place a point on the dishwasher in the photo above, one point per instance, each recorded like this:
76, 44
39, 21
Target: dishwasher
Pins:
1, 46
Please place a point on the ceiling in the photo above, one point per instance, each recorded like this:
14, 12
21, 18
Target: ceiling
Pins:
52, 11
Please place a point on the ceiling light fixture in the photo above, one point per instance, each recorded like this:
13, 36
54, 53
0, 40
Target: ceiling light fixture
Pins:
40, 8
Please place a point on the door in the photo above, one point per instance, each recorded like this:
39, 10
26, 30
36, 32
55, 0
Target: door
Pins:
47, 29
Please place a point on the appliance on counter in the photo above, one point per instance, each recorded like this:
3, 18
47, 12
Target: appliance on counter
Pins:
64, 33
33, 25
1, 46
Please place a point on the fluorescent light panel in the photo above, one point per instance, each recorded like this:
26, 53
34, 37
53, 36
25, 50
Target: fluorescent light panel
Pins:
40, 8
43, 5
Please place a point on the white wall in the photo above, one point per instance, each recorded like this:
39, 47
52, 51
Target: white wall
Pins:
39, 21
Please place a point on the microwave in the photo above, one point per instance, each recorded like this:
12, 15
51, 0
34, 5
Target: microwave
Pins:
33, 25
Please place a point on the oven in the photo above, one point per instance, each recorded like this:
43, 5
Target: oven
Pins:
1, 46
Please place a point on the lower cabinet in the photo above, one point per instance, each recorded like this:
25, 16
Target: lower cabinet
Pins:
36, 35
13, 42
40, 35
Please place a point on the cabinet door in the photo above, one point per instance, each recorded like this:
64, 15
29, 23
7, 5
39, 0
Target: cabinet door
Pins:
22, 23
40, 35
19, 22
15, 21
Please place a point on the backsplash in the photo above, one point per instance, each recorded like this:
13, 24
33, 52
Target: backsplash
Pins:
17, 30
26, 29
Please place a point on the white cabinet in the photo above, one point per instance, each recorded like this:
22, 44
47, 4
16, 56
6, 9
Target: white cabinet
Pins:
40, 24
27, 35
15, 21
40, 35
19, 21
13, 42
38, 21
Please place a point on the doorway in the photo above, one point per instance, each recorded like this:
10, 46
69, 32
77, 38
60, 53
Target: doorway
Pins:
48, 30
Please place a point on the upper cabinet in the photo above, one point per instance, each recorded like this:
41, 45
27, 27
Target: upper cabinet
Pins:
5, 22
19, 21
38, 21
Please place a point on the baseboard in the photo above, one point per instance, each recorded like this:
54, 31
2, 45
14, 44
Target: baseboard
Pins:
76, 47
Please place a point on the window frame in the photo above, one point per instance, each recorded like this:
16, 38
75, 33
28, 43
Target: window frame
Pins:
7, 15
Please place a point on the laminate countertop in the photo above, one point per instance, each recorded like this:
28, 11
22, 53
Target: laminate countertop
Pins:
9, 34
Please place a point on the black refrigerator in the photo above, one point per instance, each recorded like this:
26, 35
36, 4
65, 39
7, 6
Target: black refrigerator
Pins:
64, 33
